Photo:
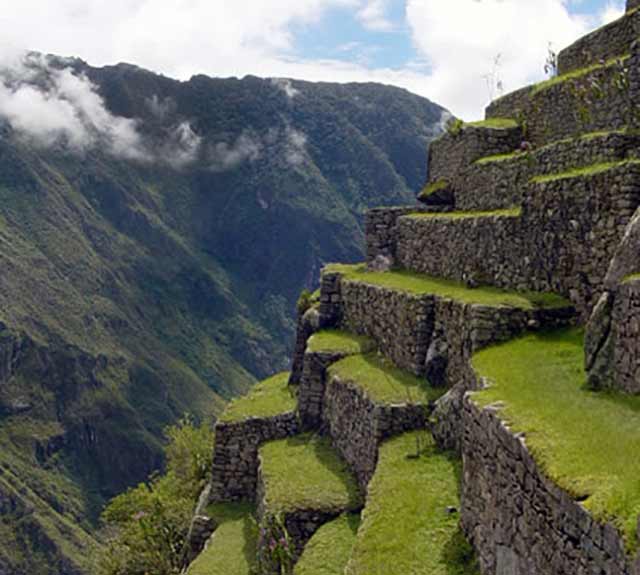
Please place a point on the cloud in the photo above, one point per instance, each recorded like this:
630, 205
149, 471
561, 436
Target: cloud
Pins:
373, 15
286, 86
182, 146
50, 106
295, 147
224, 156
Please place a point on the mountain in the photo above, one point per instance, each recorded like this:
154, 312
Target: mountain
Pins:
154, 236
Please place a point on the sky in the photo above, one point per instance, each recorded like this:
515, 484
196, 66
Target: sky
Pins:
455, 52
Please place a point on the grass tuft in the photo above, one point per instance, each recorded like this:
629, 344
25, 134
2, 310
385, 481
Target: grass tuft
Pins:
406, 526
582, 440
587, 171
328, 551
506, 213
333, 340
420, 284
493, 124
268, 398
433, 188
232, 549
326, 483
382, 381
497, 158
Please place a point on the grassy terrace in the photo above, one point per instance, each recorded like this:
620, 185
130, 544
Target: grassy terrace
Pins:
333, 340
405, 525
267, 399
382, 381
585, 172
433, 187
631, 278
497, 158
232, 550
325, 484
328, 551
576, 74
585, 441
493, 124
515, 212
419, 284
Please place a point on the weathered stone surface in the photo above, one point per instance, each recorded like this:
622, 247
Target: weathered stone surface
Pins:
234, 472
519, 522
308, 324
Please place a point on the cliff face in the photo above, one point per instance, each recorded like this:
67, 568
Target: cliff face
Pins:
143, 282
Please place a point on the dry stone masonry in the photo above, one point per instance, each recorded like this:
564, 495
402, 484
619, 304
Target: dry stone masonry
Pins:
543, 197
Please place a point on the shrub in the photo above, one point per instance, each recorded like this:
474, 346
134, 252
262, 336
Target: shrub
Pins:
146, 526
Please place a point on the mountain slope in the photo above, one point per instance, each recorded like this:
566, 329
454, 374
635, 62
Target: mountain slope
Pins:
146, 280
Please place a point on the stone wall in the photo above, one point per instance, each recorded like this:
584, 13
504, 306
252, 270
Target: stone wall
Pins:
308, 323
312, 387
380, 226
520, 522
563, 242
399, 322
632, 4
572, 107
626, 330
451, 153
607, 42
357, 425
234, 471
330, 309
501, 183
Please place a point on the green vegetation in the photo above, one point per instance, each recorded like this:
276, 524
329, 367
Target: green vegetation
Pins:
585, 172
433, 188
631, 278
575, 74
232, 549
494, 124
581, 439
306, 300
419, 284
333, 340
407, 526
382, 381
146, 526
268, 398
328, 551
506, 213
517, 155
326, 482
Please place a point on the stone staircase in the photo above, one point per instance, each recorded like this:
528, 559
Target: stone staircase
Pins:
459, 333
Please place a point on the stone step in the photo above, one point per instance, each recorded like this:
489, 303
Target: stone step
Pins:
267, 412
598, 97
499, 182
303, 484
609, 41
410, 523
323, 349
430, 327
539, 444
368, 400
231, 550
329, 550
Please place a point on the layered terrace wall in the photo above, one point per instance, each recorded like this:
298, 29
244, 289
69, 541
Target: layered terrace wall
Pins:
520, 522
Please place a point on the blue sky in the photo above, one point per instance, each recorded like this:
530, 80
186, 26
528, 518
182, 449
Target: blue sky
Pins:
444, 50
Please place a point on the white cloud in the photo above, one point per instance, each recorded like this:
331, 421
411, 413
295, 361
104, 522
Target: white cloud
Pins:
286, 86
373, 15
224, 156
295, 148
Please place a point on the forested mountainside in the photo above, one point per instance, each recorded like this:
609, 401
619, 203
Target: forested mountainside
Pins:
154, 236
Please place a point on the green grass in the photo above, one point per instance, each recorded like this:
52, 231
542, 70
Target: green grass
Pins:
419, 284
304, 472
585, 441
333, 340
587, 171
497, 158
382, 381
506, 213
574, 74
433, 187
328, 551
232, 550
268, 398
493, 124
631, 278
405, 525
